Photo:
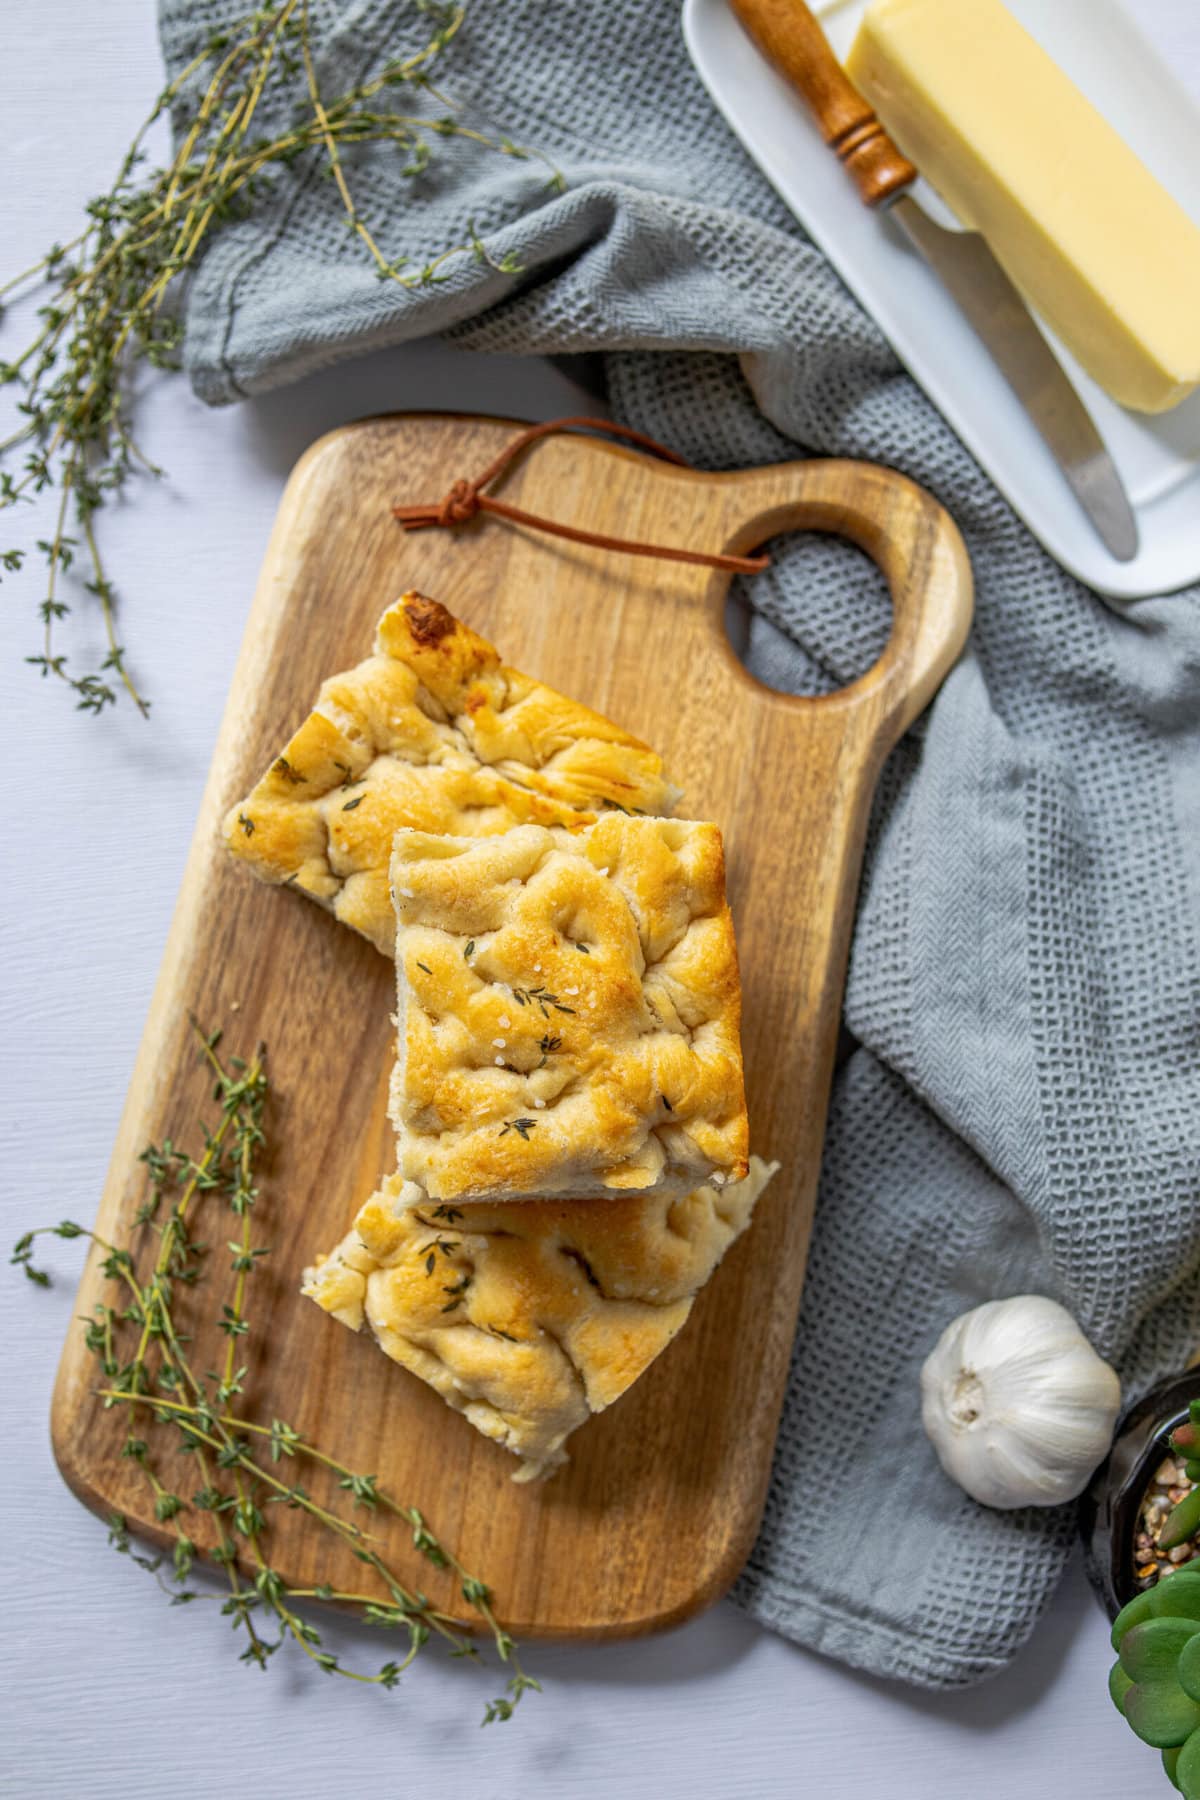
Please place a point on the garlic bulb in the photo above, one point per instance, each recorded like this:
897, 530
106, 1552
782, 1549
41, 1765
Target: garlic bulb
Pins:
1018, 1405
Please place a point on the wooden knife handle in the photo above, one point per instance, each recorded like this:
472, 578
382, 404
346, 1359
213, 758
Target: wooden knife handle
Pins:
792, 41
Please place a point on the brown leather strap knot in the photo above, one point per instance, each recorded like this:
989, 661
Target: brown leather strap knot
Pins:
467, 498
460, 504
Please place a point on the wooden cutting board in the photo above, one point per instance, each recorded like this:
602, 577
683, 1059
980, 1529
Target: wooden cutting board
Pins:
660, 1503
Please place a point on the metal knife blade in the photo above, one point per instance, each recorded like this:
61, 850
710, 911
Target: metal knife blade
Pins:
998, 315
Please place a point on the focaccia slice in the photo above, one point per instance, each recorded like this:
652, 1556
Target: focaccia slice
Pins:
529, 1317
569, 1012
434, 732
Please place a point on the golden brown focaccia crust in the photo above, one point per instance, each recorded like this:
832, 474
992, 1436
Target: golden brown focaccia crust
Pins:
569, 1012
434, 732
531, 1316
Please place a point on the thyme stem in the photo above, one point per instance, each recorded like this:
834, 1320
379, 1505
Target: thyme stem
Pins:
107, 308
165, 1397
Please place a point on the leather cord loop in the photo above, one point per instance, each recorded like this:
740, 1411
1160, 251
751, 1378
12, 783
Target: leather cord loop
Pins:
466, 498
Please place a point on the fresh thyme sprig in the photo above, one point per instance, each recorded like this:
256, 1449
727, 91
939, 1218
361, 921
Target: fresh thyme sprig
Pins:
107, 290
144, 1366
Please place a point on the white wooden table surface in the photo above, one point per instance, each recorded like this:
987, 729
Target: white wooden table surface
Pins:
103, 1689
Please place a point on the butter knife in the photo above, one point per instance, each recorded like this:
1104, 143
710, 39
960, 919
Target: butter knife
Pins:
793, 42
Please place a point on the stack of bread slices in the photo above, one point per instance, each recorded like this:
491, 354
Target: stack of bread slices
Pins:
567, 1093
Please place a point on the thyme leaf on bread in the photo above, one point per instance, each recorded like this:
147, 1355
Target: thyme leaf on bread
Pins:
541, 997
247, 108
140, 1341
456, 1289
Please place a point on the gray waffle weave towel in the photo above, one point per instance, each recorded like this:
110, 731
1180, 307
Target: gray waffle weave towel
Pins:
1021, 1106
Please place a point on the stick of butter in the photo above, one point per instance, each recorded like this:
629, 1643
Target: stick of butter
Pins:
1097, 245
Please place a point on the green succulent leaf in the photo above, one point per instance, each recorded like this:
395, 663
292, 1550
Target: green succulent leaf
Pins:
1162, 1715
1176, 1598
1188, 1668
1182, 1523
1133, 1613
1150, 1651
1187, 1768
1156, 1705
1170, 1759
1119, 1685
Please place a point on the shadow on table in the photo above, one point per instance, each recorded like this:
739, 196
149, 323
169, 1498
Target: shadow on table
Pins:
422, 377
724, 1635
1026, 1682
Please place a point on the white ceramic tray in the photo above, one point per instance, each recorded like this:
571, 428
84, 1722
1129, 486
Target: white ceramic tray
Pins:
1102, 49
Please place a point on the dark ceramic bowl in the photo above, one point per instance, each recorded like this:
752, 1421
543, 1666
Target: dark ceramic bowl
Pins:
1108, 1510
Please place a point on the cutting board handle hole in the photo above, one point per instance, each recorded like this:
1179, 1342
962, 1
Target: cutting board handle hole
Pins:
813, 622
